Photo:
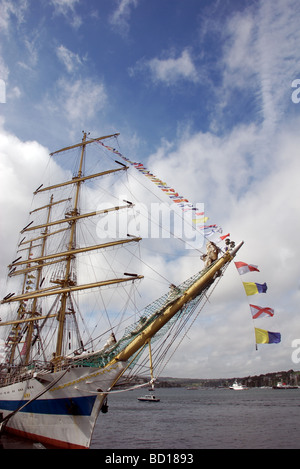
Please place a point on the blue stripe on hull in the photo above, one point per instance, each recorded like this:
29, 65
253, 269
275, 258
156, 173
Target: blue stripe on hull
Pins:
66, 406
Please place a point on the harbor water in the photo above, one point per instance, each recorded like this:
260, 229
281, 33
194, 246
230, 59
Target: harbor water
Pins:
195, 419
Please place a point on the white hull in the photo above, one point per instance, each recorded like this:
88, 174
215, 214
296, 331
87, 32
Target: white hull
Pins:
66, 414
149, 399
238, 387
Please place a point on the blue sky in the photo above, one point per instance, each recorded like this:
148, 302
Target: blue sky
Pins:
156, 65
201, 92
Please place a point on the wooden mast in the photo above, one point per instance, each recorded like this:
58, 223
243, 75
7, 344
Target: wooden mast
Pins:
21, 312
21, 309
64, 286
37, 286
66, 282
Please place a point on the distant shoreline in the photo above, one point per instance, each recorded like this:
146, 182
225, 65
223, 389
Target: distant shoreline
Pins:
290, 377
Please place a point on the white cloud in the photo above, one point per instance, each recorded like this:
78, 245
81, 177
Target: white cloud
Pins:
10, 8
4, 71
215, 167
83, 97
278, 59
77, 100
32, 45
67, 9
14, 92
22, 165
169, 70
69, 59
121, 16
261, 57
241, 32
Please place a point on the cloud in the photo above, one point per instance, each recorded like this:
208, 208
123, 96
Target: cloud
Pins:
214, 166
278, 61
4, 71
260, 59
32, 46
241, 33
22, 165
14, 92
14, 28
66, 8
77, 100
69, 59
169, 70
121, 16
9, 9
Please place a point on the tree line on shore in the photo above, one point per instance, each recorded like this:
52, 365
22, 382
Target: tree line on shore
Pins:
289, 377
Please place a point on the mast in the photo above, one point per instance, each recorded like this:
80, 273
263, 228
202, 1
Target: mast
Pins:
65, 285
21, 311
66, 282
37, 286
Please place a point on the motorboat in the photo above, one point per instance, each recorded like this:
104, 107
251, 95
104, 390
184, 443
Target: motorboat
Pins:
238, 387
149, 398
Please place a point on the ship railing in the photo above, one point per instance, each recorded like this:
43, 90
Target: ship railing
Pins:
11, 374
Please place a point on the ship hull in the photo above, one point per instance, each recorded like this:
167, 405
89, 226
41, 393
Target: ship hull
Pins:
66, 414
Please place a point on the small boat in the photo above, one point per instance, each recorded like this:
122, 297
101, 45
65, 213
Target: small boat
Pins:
282, 385
149, 398
238, 387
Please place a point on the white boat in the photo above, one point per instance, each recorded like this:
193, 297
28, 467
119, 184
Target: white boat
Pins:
281, 385
238, 387
149, 398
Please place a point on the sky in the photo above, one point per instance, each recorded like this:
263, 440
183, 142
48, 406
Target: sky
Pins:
205, 94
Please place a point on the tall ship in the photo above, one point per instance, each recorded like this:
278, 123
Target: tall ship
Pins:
72, 327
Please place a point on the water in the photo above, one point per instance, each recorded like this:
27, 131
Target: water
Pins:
196, 419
